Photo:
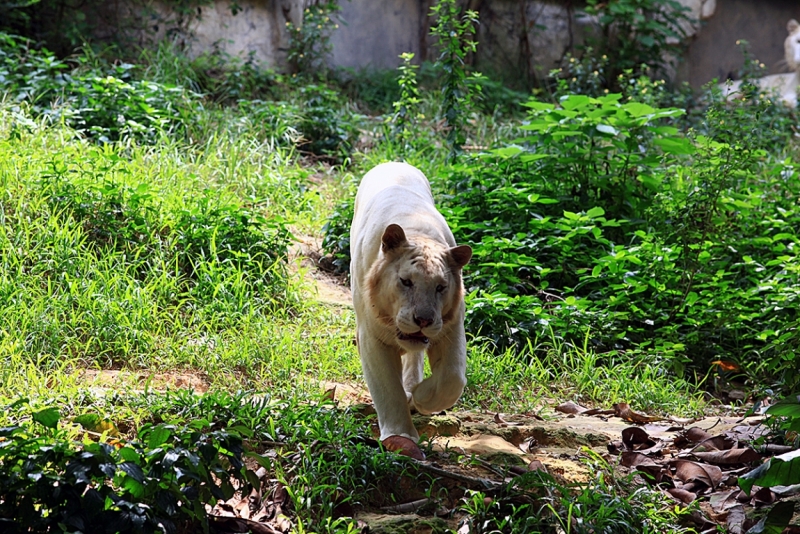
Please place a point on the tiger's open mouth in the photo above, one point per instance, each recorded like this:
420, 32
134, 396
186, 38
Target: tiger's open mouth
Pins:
418, 337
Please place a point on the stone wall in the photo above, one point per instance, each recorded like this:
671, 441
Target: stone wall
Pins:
519, 40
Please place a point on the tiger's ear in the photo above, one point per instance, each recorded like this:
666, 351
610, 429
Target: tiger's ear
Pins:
461, 255
393, 237
792, 25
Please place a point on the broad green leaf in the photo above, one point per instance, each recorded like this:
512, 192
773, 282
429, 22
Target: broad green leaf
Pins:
158, 437
595, 212
132, 470
675, 145
776, 520
783, 470
130, 455
542, 106
507, 152
637, 109
786, 408
241, 430
263, 461
96, 423
574, 101
48, 417
534, 157
606, 128
566, 133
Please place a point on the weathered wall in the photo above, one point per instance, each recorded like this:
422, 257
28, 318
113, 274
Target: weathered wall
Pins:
519, 39
377, 32
714, 54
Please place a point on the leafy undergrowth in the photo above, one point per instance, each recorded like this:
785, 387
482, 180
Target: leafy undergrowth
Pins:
243, 462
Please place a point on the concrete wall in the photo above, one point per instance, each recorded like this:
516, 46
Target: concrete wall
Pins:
519, 39
377, 32
713, 52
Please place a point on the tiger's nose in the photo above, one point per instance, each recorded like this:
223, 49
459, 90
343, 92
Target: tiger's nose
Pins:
422, 322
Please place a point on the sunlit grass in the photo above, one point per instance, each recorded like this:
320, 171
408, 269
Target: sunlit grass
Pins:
553, 371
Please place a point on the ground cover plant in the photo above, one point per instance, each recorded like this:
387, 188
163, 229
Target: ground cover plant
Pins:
630, 251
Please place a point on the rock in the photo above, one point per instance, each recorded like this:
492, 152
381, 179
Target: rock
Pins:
437, 425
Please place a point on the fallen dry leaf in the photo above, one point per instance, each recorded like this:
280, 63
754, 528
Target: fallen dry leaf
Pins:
764, 496
570, 408
642, 463
636, 438
729, 457
329, 395
686, 497
696, 434
621, 409
723, 501
736, 518
714, 443
599, 411
726, 365
688, 471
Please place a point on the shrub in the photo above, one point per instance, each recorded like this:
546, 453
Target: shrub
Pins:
159, 482
309, 43
638, 34
106, 104
327, 129
605, 219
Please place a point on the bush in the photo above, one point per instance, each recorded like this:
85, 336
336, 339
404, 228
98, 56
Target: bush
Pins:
159, 482
605, 219
106, 103
326, 128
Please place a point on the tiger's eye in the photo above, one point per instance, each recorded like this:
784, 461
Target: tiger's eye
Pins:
407, 283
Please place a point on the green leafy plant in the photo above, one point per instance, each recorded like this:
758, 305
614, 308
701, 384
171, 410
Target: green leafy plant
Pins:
160, 481
326, 129
105, 103
604, 219
309, 42
636, 34
459, 89
406, 109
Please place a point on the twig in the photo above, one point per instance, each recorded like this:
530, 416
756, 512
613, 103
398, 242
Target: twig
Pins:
486, 483
408, 507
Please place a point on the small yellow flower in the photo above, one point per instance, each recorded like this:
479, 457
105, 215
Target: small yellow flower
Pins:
596, 73
738, 41
336, 26
574, 79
